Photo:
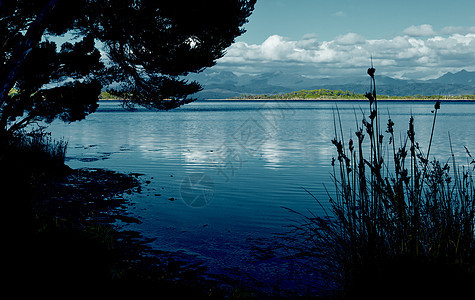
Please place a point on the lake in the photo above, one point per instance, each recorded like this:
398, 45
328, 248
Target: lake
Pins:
218, 174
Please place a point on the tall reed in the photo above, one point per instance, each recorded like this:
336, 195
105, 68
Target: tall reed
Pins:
36, 146
408, 208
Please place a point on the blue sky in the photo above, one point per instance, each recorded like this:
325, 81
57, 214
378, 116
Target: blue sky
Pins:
408, 39
370, 18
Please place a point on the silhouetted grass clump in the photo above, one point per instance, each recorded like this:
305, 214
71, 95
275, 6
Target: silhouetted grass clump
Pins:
404, 226
33, 153
40, 141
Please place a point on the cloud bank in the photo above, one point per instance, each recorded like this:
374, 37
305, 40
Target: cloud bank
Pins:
420, 30
419, 52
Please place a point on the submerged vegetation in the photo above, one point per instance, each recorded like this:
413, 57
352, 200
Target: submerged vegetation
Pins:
327, 94
402, 226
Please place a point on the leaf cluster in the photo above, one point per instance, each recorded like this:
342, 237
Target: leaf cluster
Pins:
142, 49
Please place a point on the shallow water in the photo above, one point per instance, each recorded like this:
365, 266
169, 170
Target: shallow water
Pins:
218, 173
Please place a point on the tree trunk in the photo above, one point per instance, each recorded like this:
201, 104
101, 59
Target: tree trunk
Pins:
29, 41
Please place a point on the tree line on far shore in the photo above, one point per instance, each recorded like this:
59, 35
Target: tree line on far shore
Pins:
327, 94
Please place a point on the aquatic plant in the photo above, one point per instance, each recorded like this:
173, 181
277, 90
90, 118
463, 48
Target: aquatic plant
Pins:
401, 224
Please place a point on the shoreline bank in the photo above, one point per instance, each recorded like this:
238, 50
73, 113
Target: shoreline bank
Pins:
77, 238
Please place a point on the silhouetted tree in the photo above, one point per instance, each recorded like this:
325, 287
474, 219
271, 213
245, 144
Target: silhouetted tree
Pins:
142, 47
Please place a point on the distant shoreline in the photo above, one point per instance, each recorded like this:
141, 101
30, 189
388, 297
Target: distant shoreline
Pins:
348, 100
322, 95
324, 100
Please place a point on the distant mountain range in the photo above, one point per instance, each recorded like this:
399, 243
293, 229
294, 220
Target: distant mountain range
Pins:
225, 84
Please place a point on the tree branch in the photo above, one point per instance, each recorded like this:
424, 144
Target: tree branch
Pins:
29, 41
21, 124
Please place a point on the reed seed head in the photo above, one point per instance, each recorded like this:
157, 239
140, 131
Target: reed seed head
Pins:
371, 72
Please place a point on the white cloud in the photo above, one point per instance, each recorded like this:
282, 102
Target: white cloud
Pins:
277, 48
350, 39
340, 14
420, 30
422, 52
457, 29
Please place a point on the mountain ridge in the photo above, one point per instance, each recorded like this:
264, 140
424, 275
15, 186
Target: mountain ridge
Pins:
227, 84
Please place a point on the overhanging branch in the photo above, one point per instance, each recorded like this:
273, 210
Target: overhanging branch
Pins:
29, 41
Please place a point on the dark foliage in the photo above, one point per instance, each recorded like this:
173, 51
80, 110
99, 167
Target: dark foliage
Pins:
148, 46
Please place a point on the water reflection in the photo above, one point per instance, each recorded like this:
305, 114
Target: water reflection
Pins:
258, 155
212, 134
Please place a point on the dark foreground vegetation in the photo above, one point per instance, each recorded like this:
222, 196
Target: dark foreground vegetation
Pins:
398, 228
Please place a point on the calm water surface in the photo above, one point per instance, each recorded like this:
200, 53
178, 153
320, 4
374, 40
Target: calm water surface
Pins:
221, 172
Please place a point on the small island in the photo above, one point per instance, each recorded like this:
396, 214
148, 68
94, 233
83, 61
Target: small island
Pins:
327, 94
